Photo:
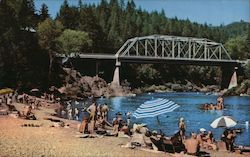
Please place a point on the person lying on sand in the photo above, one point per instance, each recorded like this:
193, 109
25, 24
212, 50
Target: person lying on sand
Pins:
27, 114
156, 140
138, 137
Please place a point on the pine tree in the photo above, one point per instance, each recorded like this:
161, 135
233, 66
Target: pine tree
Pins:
103, 14
44, 12
114, 31
26, 14
88, 23
68, 16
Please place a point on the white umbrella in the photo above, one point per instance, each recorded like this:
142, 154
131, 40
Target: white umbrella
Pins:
34, 90
223, 121
155, 107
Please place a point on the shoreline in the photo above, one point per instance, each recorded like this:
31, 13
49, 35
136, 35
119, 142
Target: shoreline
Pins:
48, 139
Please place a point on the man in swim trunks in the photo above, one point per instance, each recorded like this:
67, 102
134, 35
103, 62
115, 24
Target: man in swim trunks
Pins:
192, 145
92, 109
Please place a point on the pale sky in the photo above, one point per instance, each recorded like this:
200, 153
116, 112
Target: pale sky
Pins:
213, 12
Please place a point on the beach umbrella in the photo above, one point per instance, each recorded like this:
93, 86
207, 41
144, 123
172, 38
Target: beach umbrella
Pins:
6, 91
155, 107
223, 121
34, 90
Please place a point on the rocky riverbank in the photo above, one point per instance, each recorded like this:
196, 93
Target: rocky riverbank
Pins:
77, 86
242, 89
178, 87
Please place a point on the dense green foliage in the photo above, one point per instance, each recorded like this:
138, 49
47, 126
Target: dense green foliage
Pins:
235, 29
72, 41
29, 40
22, 62
48, 31
247, 70
112, 23
237, 47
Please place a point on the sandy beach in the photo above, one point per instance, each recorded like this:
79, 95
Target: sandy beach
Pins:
18, 140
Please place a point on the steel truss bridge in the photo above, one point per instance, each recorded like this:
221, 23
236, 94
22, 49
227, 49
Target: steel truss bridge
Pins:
165, 49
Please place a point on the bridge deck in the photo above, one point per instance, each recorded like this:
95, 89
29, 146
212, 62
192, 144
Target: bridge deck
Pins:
150, 59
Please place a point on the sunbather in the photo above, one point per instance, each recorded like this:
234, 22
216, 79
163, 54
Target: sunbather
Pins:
209, 141
192, 145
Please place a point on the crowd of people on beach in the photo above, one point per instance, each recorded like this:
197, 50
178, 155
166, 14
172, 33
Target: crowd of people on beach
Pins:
30, 102
95, 121
95, 117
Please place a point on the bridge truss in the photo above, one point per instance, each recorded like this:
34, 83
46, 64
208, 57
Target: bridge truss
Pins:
173, 47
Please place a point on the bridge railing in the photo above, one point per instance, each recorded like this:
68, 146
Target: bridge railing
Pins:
173, 47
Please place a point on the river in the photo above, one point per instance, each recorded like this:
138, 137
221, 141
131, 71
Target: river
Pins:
235, 106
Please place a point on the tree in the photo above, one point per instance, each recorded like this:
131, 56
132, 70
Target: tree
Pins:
247, 70
147, 74
72, 41
69, 16
44, 12
48, 31
237, 47
114, 31
103, 14
248, 41
89, 24
26, 14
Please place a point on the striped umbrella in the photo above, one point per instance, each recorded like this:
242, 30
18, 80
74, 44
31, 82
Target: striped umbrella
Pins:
155, 107
223, 121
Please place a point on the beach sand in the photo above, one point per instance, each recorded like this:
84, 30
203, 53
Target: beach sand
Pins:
46, 141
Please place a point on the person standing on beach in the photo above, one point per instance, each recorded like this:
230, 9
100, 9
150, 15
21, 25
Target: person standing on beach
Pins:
230, 140
104, 111
92, 109
182, 127
85, 120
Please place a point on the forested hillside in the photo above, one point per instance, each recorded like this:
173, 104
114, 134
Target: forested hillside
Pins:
30, 38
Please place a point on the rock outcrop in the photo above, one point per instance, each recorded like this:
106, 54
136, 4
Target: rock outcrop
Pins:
241, 89
78, 86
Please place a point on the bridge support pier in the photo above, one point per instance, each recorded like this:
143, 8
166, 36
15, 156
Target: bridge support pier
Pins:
229, 77
97, 68
116, 77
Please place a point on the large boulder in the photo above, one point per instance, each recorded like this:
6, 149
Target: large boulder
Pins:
77, 86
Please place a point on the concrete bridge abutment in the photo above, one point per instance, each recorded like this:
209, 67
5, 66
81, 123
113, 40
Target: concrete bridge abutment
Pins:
229, 76
116, 77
